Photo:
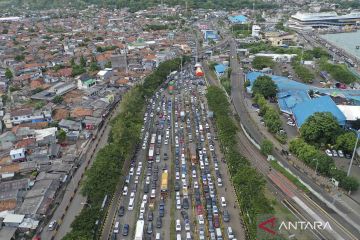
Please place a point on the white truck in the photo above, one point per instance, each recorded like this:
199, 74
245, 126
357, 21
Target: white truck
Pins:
139, 231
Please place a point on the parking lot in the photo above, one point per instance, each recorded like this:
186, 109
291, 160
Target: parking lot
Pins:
177, 185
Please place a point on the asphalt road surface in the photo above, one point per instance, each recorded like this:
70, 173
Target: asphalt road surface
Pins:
197, 181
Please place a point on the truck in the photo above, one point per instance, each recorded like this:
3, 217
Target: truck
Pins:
193, 156
151, 152
182, 115
139, 231
164, 183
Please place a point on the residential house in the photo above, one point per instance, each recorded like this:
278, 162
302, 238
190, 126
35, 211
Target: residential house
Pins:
18, 155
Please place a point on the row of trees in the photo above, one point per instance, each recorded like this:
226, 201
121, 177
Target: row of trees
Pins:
303, 72
248, 183
106, 171
271, 115
322, 130
339, 72
322, 163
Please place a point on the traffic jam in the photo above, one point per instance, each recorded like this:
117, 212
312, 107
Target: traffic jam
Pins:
175, 187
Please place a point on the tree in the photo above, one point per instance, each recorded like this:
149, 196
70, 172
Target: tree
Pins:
346, 142
349, 183
265, 86
19, 58
260, 62
72, 61
82, 61
5, 31
321, 128
61, 135
266, 147
108, 65
58, 99
8, 73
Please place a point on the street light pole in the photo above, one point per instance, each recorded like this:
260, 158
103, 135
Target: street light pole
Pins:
353, 155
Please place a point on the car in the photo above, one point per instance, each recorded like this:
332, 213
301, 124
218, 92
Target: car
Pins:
125, 191
196, 184
211, 147
334, 153
187, 225
201, 219
177, 186
121, 211
159, 222
141, 216
146, 188
328, 152
184, 215
219, 182
226, 216
178, 225
216, 221
185, 203
149, 228
340, 153
150, 216
125, 230
116, 227
131, 172
136, 181
158, 236
147, 181
52, 225
178, 204
223, 202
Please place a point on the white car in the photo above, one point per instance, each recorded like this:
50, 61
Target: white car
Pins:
125, 191
166, 142
144, 146
201, 219
136, 181
178, 225
131, 171
194, 174
178, 204
147, 181
196, 184
211, 148
132, 194
223, 202
328, 152
187, 225
341, 154
52, 225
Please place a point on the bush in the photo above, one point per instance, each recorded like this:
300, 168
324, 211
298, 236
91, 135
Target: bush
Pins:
266, 147
303, 72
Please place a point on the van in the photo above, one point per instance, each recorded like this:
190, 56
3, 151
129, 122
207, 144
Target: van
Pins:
218, 234
116, 228
131, 204
230, 233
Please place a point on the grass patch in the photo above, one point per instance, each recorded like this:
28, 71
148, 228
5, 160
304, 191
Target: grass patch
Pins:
289, 176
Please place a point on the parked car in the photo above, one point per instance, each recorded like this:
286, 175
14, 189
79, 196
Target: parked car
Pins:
328, 152
52, 225
125, 230
340, 153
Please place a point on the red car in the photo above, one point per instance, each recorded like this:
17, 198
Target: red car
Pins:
199, 210
216, 221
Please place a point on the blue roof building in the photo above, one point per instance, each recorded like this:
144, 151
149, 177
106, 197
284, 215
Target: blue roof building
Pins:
238, 19
220, 69
302, 111
210, 35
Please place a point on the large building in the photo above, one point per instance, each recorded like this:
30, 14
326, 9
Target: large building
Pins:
323, 20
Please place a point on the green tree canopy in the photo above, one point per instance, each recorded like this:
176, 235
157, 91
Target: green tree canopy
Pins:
8, 74
82, 61
58, 99
321, 128
346, 142
265, 86
266, 147
260, 62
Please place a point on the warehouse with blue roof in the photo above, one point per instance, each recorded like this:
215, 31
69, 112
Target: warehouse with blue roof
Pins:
302, 111
293, 98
